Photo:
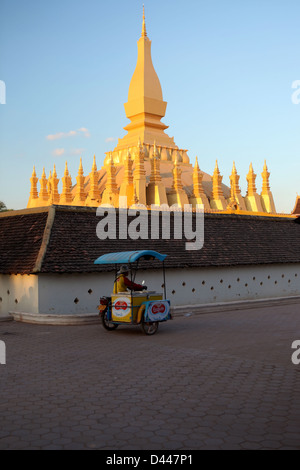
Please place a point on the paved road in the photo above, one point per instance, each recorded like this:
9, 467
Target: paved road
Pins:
217, 381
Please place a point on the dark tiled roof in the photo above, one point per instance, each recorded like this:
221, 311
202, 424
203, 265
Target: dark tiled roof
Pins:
70, 243
20, 241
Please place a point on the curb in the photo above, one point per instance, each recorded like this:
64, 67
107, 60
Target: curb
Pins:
63, 320
183, 310
233, 306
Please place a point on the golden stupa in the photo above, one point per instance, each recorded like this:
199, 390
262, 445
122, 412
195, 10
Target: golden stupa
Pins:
148, 167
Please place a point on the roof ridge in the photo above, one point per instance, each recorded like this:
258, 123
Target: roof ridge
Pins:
45, 240
33, 210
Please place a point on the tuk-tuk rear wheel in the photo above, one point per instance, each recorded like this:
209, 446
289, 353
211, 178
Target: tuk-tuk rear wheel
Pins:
150, 328
107, 324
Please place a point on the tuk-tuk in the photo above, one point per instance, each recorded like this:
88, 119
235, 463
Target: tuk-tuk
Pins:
145, 308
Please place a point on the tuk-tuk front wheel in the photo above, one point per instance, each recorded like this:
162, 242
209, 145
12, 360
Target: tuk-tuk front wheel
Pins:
107, 324
150, 328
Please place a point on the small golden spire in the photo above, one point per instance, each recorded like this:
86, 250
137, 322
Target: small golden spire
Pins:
197, 181
251, 177
234, 184
265, 176
66, 169
43, 196
54, 175
66, 195
217, 191
94, 167
144, 32
34, 181
80, 195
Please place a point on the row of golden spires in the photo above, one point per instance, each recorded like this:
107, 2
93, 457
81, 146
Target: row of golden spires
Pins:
138, 190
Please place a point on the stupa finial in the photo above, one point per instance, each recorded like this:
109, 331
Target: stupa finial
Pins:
144, 32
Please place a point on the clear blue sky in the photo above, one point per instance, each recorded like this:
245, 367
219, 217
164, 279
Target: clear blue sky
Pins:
226, 70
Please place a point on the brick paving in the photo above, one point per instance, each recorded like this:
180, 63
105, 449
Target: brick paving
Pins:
216, 381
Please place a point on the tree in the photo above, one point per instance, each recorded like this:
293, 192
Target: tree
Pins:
2, 206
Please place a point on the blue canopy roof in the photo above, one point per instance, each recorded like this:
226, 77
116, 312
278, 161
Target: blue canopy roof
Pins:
128, 257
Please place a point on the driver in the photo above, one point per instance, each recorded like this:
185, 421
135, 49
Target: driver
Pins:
122, 283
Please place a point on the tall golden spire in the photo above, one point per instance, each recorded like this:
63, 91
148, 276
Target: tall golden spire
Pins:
144, 32
145, 106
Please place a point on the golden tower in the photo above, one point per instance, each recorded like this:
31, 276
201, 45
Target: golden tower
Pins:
44, 196
252, 199
66, 195
94, 196
156, 191
218, 201
198, 197
267, 200
80, 195
34, 196
54, 196
148, 167
236, 200
145, 106
177, 195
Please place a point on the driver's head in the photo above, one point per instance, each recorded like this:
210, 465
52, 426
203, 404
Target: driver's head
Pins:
124, 270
